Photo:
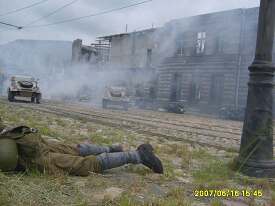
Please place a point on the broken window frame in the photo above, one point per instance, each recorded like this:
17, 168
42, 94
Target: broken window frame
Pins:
194, 92
179, 48
179, 45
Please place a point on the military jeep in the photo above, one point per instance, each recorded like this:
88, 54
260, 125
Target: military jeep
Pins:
116, 97
24, 86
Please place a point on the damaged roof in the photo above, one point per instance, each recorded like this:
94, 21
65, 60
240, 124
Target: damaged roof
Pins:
129, 33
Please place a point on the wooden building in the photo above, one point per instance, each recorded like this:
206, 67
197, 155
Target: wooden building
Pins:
209, 67
200, 60
137, 55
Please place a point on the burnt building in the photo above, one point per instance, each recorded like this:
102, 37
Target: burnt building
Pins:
201, 60
82, 53
208, 69
136, 54
94, 54
135, 50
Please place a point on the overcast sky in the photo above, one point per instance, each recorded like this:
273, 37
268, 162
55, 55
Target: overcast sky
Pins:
143, 16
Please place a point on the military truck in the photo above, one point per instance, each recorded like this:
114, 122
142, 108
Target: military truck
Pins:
85, 94
24, 86
116, 97
232, 113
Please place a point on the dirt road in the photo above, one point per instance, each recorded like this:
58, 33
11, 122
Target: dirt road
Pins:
195, 152
209, 132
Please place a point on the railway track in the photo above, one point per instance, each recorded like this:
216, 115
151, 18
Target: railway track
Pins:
152, 121
209, 134
233, 127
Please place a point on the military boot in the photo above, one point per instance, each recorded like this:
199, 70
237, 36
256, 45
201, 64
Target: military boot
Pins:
149, 159
143, 155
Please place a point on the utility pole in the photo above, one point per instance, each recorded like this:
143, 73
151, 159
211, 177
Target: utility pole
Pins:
256, 150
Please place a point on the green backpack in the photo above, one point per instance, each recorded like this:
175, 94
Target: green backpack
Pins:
8, 154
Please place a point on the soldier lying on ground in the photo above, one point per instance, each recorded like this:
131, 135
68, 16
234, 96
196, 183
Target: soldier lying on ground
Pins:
35, 152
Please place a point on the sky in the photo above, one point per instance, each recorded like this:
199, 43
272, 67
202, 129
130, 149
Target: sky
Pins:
154, 13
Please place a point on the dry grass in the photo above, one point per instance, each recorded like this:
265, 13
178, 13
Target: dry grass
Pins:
185, 167
35, 190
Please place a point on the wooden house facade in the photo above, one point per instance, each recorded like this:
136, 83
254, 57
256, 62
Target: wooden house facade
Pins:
209, 68
200, 60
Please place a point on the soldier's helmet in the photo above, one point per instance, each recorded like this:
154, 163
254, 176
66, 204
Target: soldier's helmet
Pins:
8, 153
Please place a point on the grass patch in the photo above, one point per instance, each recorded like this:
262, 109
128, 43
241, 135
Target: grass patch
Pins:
168, 170
124, 200
36, 190
216, 202
180, 161
202, 155
214, 173
255, 183
138, 169
184, 153
4, 198
175, 197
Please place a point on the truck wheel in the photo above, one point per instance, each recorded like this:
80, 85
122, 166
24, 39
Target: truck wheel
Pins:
38, 98
104, 104
32, 99
10, 96
125, 106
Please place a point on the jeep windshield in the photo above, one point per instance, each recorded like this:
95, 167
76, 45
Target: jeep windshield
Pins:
22, 78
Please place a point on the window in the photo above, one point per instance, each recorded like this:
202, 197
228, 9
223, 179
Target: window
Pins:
149, 57
219, 44
201, 38
216, 89
179, 48
195, 93
176, 88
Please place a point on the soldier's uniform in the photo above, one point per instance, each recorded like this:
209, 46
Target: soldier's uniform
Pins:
49, 156
54, 157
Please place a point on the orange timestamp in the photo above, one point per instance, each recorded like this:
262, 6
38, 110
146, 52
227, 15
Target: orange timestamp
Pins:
227, 193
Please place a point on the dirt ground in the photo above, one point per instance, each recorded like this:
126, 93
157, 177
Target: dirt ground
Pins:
197, 153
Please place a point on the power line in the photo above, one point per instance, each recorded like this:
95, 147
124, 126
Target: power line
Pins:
23, 8
8, 29
53, 12
91, 15
11, 25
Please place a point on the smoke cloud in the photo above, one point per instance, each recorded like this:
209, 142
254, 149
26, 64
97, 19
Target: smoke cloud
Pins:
50, 61
156, 12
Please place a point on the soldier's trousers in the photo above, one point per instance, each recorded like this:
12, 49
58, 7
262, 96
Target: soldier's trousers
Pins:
65, 158
58, 158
